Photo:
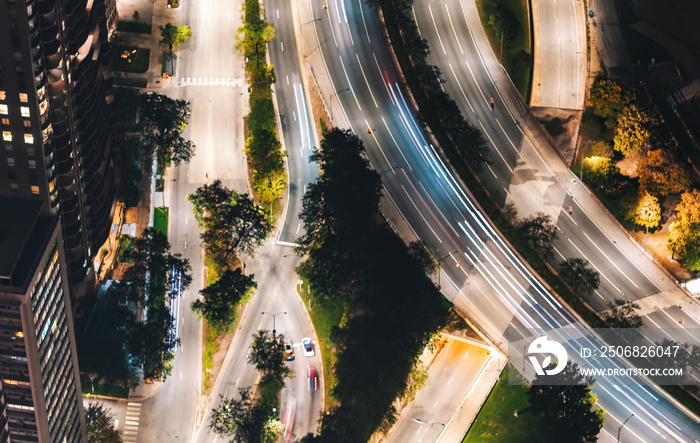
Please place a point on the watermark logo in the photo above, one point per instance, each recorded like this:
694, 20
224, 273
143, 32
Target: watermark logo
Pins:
543, 345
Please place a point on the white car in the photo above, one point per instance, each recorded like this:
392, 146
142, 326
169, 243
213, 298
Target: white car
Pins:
308, 347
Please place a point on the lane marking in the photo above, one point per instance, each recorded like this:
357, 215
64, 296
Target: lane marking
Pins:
460, 88
496, 147
365, 77
594, 266
362, 12
396, 143
610, 260
349, 84
436, 30
453, 29
421, 214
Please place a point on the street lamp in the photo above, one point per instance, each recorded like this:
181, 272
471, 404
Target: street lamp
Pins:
622, 426
274, 316
336, 95
441, 260
428, 424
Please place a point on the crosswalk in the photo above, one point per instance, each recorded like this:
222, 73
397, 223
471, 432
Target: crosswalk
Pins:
209, 81
131, 422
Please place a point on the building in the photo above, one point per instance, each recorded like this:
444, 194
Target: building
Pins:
55, 118
40, 395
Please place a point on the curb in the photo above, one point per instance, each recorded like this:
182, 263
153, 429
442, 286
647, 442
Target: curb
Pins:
313, 328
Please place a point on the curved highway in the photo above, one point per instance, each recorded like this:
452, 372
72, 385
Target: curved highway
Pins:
485, 278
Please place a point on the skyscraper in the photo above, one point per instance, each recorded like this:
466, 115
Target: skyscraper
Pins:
40, 398
55, 118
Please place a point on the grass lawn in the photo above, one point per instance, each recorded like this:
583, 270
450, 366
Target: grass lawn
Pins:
130, 82
497, 422
160, 219
517, 52
102, 388
324, 318
130, 59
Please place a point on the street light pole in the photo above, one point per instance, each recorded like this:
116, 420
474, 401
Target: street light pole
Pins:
336, 95
274, 316
428, 424
622, 426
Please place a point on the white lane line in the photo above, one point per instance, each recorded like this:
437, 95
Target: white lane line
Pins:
594, 266
366, 82
453, 29
362, 12
338, 10
438, 209
380, 148
384, 80
278, 14
496, 147
611, 260
328, 12
494, 174
352, 40
134, 404
396, 143
421, 214
436, 402
460, 87
350, 84
180, 375
437, 30
301, 152
345, 15
506, 134
287, 80
415, 19
282, 45
476, 82
570, 218
298, 227
659, 327
294, 114
678, 321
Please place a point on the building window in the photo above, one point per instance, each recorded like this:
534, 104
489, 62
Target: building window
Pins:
32, 164
35, 189
30, 151
27, 124
23, 97
24, 110
6, 136
6, 121
28, 139
14, 187
18, 56
3, 109
8, 147
3, 95
10, 161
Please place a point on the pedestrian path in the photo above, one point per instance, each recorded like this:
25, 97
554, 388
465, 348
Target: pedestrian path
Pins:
131, 422
209, 81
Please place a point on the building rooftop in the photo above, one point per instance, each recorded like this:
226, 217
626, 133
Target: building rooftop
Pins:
21, 225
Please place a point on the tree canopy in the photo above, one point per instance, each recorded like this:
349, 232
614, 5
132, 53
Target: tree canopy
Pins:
623, 314
684, 241
609, 99
648, 211
268, 356
539, 232
660, 173
245, 419
567, 400
100, 424
689, 206
162, 120
633, 132
578, 275
220, 299
172, 36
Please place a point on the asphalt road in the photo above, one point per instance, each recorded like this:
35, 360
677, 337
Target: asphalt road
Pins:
485, 279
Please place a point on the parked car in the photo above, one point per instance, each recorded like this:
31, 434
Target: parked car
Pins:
308, 347
312, 378
288, 350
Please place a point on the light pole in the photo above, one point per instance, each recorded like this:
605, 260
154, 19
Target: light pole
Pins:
274, 316
622, 426
336, 95
442, 260
429, 424
301, 28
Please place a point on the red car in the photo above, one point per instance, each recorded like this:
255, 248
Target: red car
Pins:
312, 378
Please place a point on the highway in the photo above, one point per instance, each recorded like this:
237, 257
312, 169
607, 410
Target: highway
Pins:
490, 280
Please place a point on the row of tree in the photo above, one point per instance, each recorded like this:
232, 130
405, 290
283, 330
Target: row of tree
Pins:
356, 262
263, 148
640, 137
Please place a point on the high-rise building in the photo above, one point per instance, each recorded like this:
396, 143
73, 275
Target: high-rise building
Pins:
55, 118
40, 396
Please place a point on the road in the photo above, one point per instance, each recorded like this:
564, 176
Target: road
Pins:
490, 280
450, 380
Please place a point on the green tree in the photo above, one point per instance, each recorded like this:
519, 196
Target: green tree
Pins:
633, 132
609, 99
566, 399
648, 211
661, 173
577, 274
601, 172
269, 187
684, 241
210, 201
221, 299
245, 419
173, 37
539, 232
100, 425
161, 121
427, 259
689, 206
254, 35
623, 314
602, 148
268, 357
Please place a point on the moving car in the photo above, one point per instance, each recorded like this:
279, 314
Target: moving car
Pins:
288, 350
308, 347
312, 378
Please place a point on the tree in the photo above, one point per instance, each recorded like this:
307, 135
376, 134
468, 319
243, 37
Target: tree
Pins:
268, 357
173, 37
660, 173
576, 273
622, 314
270, 187
210, 201
539, 232
689, 206
162, 120
100, 424
602, 148
424, 256
220, 299
609, 100
633, 132
566, 399
601, 172
254, 35
648, 211
684, 241
248, 421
